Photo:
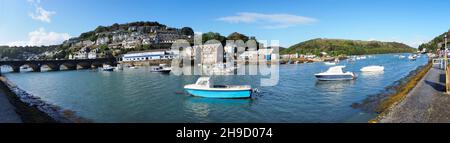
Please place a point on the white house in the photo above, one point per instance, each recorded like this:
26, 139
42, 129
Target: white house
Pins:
250, 55
143, 56
267, 54
209, 53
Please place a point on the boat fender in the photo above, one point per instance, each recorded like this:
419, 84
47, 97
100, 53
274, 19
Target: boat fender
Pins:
256, 90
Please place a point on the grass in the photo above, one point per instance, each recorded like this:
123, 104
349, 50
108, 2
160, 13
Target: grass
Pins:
401, 93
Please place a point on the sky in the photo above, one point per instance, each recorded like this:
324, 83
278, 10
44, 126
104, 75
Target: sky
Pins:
47, 22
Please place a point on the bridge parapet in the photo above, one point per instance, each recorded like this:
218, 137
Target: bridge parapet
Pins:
55, 65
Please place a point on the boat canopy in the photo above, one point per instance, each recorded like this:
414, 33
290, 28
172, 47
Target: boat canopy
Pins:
204, 81
336, 69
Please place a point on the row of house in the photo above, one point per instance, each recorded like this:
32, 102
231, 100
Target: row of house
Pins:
295, 56
134, 36
209, 54
85, 53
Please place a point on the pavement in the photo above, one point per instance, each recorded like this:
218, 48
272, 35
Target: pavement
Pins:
7, 110
426, 103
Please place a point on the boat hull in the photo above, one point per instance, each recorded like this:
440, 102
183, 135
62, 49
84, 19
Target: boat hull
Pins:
378, 69
220, 93
161, 71
334, 77
108, 69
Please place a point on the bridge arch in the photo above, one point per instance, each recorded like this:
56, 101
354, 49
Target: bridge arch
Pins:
36, 67
4, 67
52, 66
85, 64
68, 66
55, 65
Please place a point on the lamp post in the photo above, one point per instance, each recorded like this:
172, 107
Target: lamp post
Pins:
446, 64
445, 41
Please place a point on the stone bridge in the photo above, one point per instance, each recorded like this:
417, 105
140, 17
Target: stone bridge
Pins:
55, 65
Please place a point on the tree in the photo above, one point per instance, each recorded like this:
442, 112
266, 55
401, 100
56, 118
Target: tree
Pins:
104, 48
187, 31
237, 36
213, 36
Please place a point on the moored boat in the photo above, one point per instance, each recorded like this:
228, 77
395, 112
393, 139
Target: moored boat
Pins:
204, 87
372, 69
330, 63
162, 68
335, 73
107, 68
412, 57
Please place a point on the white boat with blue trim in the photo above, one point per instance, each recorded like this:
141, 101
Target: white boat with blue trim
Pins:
335, 73
204, 87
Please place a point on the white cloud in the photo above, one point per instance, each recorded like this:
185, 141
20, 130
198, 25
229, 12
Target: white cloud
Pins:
270, 21
40, 13
41, 37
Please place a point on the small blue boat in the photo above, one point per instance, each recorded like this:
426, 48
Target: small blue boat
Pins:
205, 88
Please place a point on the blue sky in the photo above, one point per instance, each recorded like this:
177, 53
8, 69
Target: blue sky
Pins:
30, 22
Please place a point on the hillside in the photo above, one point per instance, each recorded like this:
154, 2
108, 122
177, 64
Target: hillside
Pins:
336, 47
435, 43
27, 52
114, 40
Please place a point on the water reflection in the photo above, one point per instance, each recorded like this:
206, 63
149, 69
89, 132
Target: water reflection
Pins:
372, 74
334, 86
223, 102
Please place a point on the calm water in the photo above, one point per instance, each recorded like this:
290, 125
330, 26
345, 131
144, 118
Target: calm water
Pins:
137, 95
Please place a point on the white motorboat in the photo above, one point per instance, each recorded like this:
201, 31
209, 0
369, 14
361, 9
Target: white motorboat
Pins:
162, 68
372, 69
107, 68
412, 57
401, 57
335, 73
330, 63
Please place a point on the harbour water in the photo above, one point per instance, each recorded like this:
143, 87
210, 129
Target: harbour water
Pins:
138, 95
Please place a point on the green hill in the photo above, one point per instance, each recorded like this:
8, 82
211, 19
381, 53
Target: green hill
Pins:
336, 47
433, 44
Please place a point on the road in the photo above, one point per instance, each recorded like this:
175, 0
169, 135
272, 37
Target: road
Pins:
426, 103
7, 110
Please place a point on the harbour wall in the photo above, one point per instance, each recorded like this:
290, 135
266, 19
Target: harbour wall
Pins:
34, 110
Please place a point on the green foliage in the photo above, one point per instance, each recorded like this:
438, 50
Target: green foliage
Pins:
213, 36
87, 35
434, 44
237, 36
335, 47
187, 31
23, 52
103, 48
